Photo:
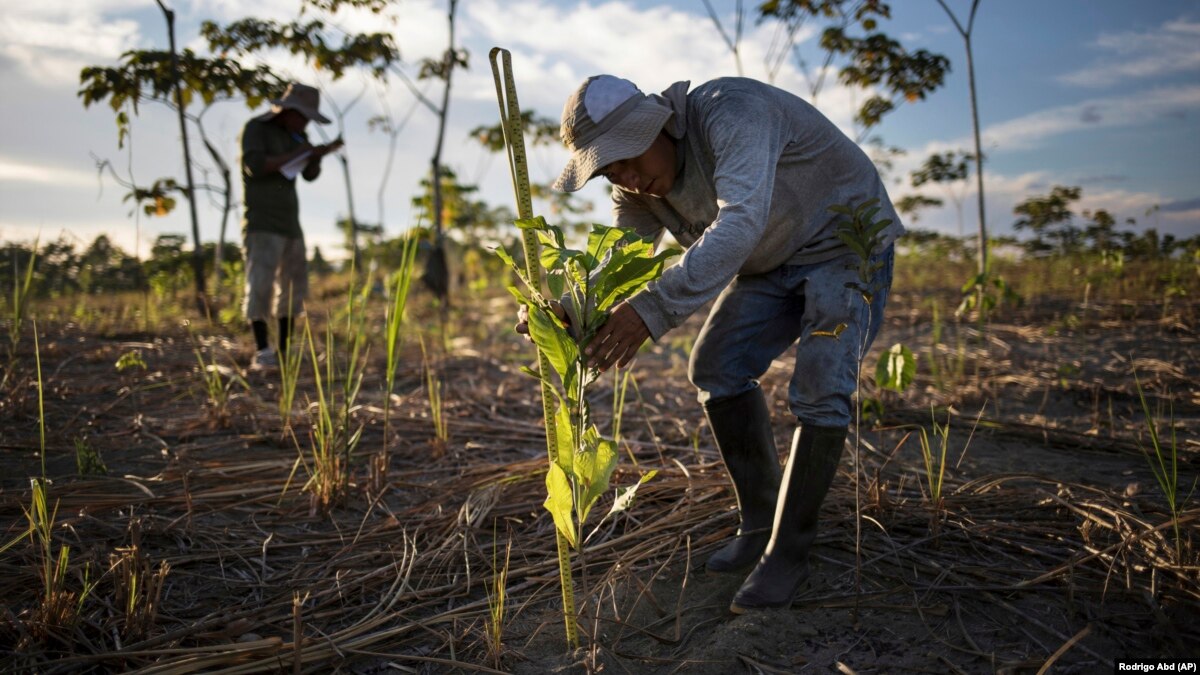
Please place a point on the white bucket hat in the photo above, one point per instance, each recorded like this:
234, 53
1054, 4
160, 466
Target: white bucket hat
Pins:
605, 120
303, 99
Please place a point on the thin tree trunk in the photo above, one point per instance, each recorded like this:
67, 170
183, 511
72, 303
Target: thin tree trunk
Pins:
198, 250
226, 207
966, 36
436, 271
983, 239
351, 232
352, 226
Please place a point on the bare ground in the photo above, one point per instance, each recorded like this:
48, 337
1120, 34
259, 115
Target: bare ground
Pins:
1053, 544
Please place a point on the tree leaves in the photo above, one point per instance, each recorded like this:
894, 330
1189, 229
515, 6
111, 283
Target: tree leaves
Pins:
873, 60
313, 41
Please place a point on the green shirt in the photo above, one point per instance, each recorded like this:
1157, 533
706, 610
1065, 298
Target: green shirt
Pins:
271, 202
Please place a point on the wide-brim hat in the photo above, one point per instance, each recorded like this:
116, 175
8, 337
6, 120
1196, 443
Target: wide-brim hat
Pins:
605, 120
303, 99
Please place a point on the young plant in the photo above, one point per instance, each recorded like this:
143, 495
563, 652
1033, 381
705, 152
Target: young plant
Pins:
983, 293
935, 343
19, 307
217, 387
58, 608
1164, 462
618, 411
433, 389
497, 597
935, 460
137, 586
616, 264
334, 432
401, 283
863, 235
290, 362
130, 359
87, 459
550, 334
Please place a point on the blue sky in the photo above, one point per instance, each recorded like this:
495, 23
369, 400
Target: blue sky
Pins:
1100, 94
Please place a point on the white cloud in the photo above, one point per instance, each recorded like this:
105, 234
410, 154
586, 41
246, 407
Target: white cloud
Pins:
1172, 48
52, 47
557, 47
16, 171
1025, 132
1003, 192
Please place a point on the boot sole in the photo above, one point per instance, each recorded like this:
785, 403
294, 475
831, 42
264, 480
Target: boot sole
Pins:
735, 608
739, 569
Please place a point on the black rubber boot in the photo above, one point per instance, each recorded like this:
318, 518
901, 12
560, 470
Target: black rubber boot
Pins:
742, 427
260, 334
784, 567
285, 333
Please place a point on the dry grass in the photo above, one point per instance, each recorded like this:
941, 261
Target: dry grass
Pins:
239, 575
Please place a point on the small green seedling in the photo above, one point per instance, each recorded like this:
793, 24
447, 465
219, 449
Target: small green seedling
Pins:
615, 265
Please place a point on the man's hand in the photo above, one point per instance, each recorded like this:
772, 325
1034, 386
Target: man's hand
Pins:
322, 150
618, 340
522, 326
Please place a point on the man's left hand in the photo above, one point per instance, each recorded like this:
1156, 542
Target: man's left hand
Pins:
618, 340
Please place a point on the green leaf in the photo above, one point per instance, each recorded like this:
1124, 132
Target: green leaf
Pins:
593, 468
554, 341
973, 282
516, 293
896, 369
558, 502
534, 223
600, 241
625, 495
622, 278
853, 243
504, 255
556, 282
875, 229
565, 438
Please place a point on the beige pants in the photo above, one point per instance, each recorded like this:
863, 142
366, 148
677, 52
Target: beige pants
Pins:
276, 266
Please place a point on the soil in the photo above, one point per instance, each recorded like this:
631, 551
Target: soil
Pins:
1052, 546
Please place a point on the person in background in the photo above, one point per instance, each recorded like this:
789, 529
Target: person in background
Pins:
743, 175
275, 149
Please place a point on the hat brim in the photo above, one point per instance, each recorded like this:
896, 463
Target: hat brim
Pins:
629, 138
314, 115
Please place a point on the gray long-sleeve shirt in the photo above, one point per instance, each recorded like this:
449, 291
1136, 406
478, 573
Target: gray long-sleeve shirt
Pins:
759, 170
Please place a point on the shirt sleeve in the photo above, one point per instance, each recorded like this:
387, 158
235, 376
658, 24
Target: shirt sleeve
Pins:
630, 211
747, 136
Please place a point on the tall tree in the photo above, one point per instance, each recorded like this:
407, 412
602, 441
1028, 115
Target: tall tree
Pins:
966, 32
437, 273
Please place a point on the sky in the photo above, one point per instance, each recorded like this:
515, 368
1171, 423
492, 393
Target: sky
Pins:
1100, 94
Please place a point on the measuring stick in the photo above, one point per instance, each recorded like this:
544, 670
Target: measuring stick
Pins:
514, 144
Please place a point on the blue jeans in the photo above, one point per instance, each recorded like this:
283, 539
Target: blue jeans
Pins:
759, 316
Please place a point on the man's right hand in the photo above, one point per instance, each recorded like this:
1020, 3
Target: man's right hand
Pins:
522, 326
325, 149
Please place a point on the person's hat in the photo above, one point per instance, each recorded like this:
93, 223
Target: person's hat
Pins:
303, 99
606, 120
